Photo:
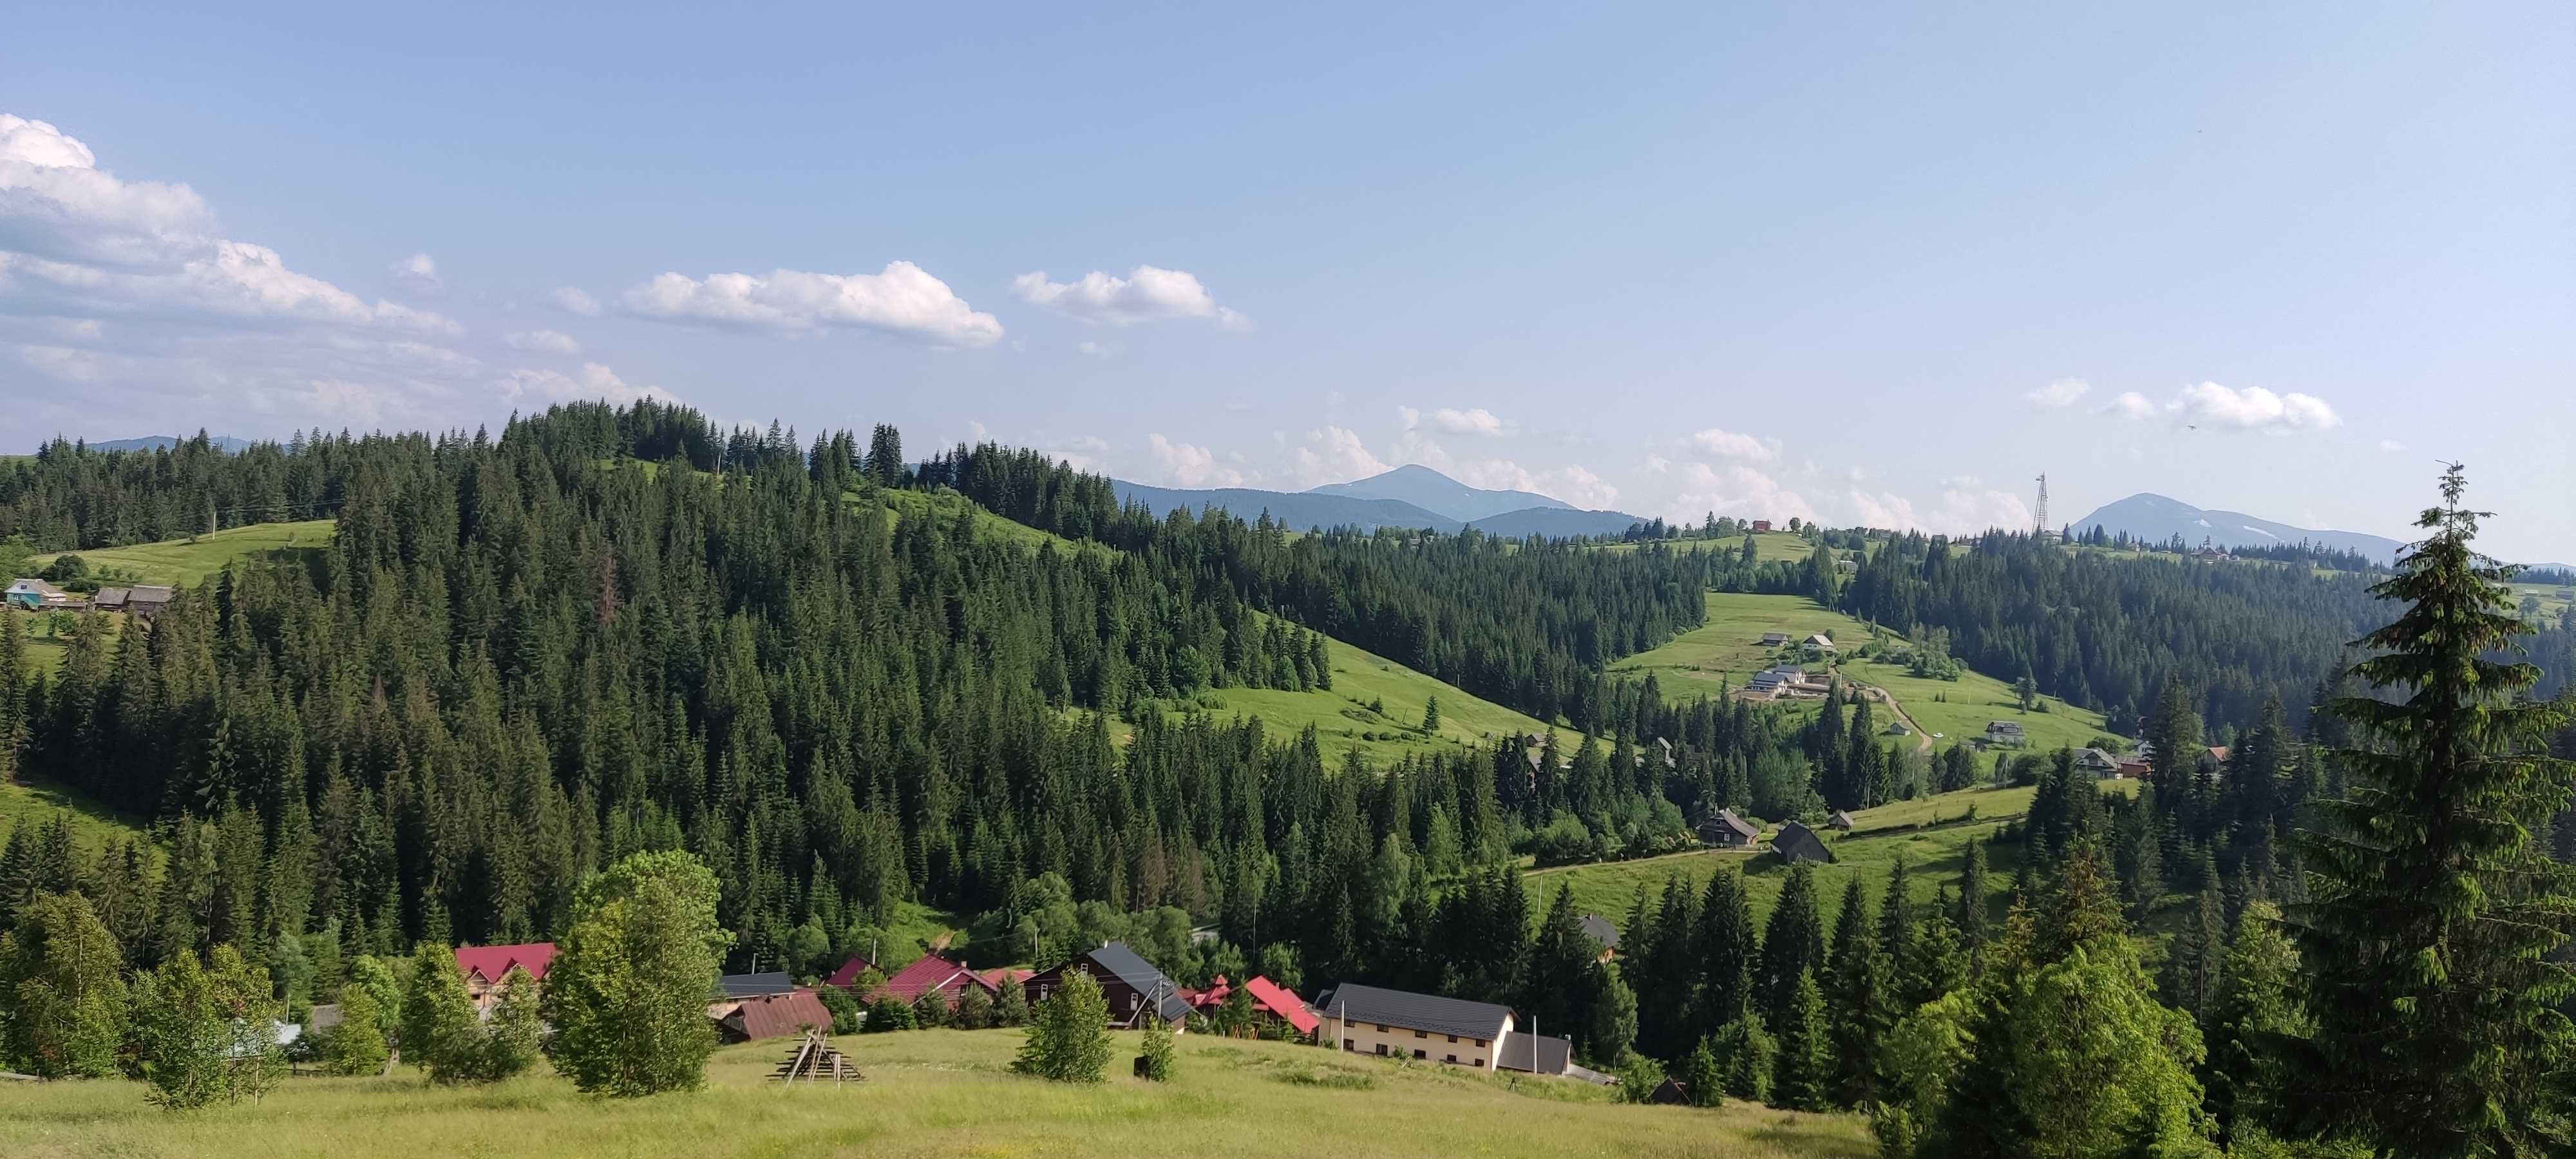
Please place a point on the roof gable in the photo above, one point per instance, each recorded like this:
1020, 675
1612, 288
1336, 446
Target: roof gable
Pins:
490, 963
1283, 1002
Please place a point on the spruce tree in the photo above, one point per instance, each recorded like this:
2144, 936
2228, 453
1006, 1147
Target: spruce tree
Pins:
1792, 944
2434, 920
1157, 1050
1804, 1075
2259, 1007
1857, 987
1703, 1083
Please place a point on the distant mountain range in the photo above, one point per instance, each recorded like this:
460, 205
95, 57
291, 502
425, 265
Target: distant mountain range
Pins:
1409, 496
2156, 519
163, 442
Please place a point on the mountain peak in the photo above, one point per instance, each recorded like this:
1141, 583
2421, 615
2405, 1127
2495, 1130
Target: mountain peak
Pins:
1428, 489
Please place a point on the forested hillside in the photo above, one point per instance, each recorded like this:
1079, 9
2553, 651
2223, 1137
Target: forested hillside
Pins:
2107, 632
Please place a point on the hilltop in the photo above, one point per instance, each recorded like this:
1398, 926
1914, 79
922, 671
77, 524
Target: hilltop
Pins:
2157, 519
1411, 496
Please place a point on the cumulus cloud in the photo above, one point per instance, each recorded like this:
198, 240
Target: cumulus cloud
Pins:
1729, 445
2255, 408
903, 300
544, 342
1146, 294
2061, 393
575, 301
419, 274
77, 240
594, 382
1334, 455
1094, 349
1735, 489
2131, 405
1472, 421
1191, 465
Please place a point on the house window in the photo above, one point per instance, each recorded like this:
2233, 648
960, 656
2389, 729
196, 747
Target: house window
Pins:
1417, 1054
1381, 1050
1476, 1062
1453, 1038
1349, 1045
1452, 1058
1419, 1034
1480, 1042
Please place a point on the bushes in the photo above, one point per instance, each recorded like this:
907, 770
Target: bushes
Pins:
628, 988
1068, 1034
62, 1000
204, 1035
1159, 1066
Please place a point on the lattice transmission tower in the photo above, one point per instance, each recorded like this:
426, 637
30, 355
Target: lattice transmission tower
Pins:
2040, 520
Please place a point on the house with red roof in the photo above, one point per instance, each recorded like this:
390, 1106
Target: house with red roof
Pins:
848, 975
929, 973
485, 966
1270, 1002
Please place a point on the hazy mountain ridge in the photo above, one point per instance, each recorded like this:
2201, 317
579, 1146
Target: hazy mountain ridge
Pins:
2156, 519
1409, 496
1441, 495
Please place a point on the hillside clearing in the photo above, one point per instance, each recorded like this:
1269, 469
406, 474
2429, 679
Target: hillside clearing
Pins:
34, 805
183, 562
1721, 654
937, 1092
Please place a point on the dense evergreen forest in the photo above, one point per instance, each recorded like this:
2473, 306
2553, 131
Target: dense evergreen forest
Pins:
2108, 632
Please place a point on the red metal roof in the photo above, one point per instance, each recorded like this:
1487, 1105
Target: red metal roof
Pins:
491, 962
1283, 1002
848, 975
932, 972
779, 1015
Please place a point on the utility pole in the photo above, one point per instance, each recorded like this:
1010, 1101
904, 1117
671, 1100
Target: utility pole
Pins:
2039, 524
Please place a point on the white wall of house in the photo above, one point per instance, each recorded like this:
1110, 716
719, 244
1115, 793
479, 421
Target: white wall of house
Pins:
1393, 1041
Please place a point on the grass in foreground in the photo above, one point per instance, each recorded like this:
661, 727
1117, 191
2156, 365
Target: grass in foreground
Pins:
183, 562
930, 1093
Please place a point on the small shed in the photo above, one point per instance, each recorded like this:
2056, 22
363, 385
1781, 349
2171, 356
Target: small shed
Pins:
1840, 820
1727, 831
1774, 639
1670, 1093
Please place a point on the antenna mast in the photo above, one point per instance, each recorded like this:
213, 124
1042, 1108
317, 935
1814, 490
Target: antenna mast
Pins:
2040, 520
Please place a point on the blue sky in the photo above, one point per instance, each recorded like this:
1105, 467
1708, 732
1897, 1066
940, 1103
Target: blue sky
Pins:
1868, 264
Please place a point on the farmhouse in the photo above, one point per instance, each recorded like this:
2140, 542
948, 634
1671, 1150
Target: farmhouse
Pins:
847, 977
2213, 761
1131, 984
1397, 1024
751, 985
1795, 843
35, 594
2004, 732
1271, 1002
147, 600
1600, 930
781, 1015
1819, 643
1727, 831
1536, 1054
931, 973
2097, 762
485, 966
2136, 769
1774, 639
1761, 525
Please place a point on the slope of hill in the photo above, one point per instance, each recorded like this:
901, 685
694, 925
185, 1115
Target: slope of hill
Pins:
1724, 652
1344, 719
1298, 511
185, 561
2156, 519
33, 806
935, 1092
1439, 494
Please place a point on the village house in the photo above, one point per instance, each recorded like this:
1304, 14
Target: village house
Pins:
1398, 1024
145, 600
751, 985
485, 966
2134, 768
2098, 762
1600, 930
2213, 761
1840, 820
1774, 639
783, 1014
1819, 643
1134, 988
2004, 732
1760, 525
847, 977
928, 974
1795, 843
37, 595
1727, 831
1271, 1003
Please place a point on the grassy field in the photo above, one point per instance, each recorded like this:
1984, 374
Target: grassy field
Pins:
929, 1093
185, 561
1722, 653
1768, 545
1342, 718
1930, 834
38, 804
945, 505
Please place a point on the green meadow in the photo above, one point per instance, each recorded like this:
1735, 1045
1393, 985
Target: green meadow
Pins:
183, 562
929, 1093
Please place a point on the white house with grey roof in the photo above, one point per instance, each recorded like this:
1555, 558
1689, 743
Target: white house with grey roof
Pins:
1401, 1024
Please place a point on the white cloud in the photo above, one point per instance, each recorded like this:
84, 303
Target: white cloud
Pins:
419, 274
574, 301
1472, 421
1146, 294
594, 382
2062, 392
2391, 445
1190, 465
2131, 405
2254, 408
1334, 455
544, 342
62, 362
1735, 490
1094, 349
1729, 445
56, 203
903, 299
